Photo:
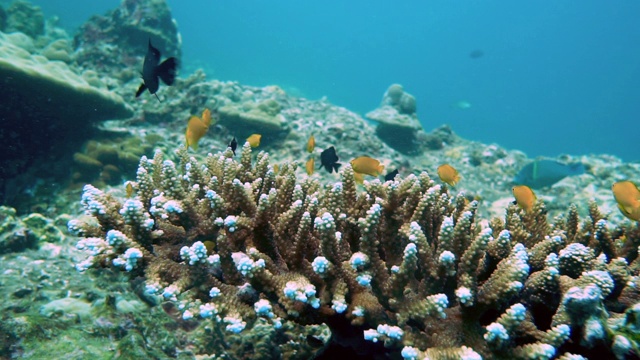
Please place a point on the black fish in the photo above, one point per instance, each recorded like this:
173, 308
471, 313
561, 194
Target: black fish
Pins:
476, 54
329, 160
233, 145
390, 176
151, 71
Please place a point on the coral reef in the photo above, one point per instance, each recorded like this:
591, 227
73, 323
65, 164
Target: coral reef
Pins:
216, 256
51, 85
398, 123
115, 43
403, 267
47, 106
107, 161
24, 17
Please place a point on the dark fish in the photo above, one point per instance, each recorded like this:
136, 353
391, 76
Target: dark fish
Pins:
476, 54
541, 173
233, 145
151, 71
390, 176
329, 160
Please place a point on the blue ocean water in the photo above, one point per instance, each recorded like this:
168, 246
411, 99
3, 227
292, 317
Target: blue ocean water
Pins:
555, 76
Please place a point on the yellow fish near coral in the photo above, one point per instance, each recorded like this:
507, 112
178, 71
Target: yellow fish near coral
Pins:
367, 165
196, 128
525, 197
254, 140
129, 189
627, 196
448, 174
311, 144
310, 166
358, 177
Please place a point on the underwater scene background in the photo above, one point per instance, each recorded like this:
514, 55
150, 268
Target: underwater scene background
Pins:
291, 180
549, 76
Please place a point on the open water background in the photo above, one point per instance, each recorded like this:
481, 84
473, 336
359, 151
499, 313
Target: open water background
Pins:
557, 76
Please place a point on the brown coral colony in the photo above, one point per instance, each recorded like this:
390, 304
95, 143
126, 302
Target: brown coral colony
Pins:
405, 263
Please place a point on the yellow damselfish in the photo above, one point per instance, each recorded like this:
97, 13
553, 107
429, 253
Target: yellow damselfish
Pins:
310, 166
367, 165
448, 174
627, 196
311, 144
196, 128
254, 140
525, 197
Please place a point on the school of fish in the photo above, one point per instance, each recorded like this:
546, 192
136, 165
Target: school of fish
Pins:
540, 173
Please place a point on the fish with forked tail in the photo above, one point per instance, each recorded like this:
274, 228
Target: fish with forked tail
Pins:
329, 160
448, 174
391, 176
233, 145
152, 69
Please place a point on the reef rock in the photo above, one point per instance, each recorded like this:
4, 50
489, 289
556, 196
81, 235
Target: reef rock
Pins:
246, 118
26, 232
402, 101
24, 17
398, 124
45, 104
119, 39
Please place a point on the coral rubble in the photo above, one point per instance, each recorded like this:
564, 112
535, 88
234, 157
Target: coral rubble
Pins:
403, 267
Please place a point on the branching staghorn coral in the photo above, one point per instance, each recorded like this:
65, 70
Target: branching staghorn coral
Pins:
401, 267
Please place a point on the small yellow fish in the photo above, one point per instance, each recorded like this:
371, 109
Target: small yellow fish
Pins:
525, 197
448, 174
367, 165
206, 117
210, 246
627, 196
129, 189
310, 166
276, 168
196, 128
254, 140
311, 144
358, 177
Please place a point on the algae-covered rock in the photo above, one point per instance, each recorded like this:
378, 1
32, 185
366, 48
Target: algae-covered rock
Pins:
402, 101
244, 119
43, 228
26, 232
66, 306
14, 234
52, 86
397, 130
58, 50
398, 123
116, 42
46, 107
106, 162
25, 17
